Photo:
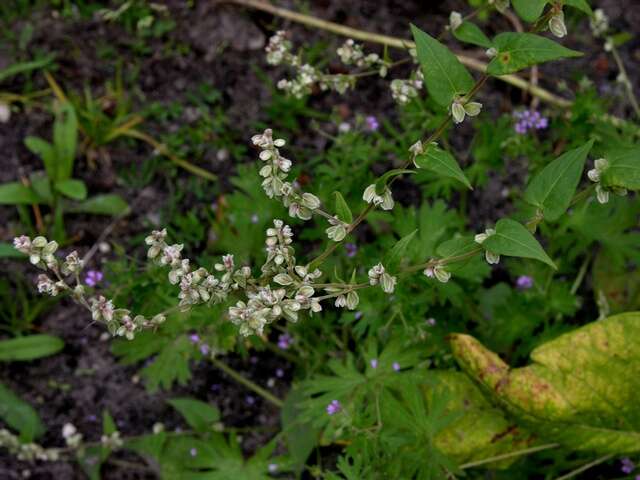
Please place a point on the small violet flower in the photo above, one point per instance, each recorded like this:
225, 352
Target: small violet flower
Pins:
194, 337
627, 466
284, 341
529, 120
351, 248
372, 123
374, 363
524, 282
273, 467
93, 277
395, 366
193, 452
334, 407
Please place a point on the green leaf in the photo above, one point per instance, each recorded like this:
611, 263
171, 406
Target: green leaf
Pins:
580, 391
521, 50
529, 10
469, 32
29, 347
46, 152
552, 189
441, 162
72, 188
108, 204
342, 208
398, 250
624, 169
65, 139
300, 435
199, 415
482, 430
445, 77
15, 193
148, 445
7, 250
19, 415
41, 186
24, 67
457, 247
108, 425
580, 5
514, 240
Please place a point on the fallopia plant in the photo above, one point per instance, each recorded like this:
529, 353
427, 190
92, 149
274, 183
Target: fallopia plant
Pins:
284, 287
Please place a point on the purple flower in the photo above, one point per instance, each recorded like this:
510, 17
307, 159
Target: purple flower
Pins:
193, 452
431, 322
204, 349
284, 341
529, 120
334, 407
358, 315
279, 372
374, 363
351, 249
273, 467
216, 387
524, 282
93, 277
396, 366
372, 123
627, 466
194, 337
92, 418
250, 400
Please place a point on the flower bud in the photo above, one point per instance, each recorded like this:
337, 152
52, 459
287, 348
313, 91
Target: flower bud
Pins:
492, 258
283, 279
310, 201
455, 20
457, 112
352, 300
557, 26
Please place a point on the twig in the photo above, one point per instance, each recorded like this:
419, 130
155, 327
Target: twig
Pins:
575, 472
504, 456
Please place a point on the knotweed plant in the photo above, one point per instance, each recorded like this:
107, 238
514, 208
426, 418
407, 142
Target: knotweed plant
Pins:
287, 285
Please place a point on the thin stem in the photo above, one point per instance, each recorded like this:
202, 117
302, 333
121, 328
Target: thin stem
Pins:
504, 456
589, 465
581, 273
442, 261
625, 77
247, 383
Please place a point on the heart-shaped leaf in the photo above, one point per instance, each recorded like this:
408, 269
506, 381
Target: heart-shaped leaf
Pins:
581, 389
553, 188
514, 240
444, 75
441, 162
521, 50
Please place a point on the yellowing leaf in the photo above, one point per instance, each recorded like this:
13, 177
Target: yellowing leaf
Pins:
581, 389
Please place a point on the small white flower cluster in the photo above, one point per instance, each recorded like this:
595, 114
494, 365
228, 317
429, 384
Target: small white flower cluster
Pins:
278, 49
378, 275
557, 25
71, 436
455, 20
438, 272
275, 184
595, 175
337, 230
384, 200
460, 108
599, 23
403, 90
27, 452
349, 299
265, 304
112, 441
351, 53
492, 258
40, 251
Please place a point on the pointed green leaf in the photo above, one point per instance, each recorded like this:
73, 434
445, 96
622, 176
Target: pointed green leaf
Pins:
441, 162
15, 193
521, 50
47, 154
624, 169
580, 390
580, 5
342, 208
65, 139
29, 347
199, 415
108, 204
108, 425
398, 250
19, 415
514, 240
469, 32
72, 188
444, 76
552, 189
529, 10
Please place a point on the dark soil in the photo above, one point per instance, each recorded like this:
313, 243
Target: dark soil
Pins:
224, 41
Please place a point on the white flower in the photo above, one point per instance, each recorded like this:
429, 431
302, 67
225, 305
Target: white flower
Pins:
481, 237
491, 52
352, 300
557, 26
337, 231
455, 20
385, 200
341, 301
22, 243
375, 273
599, 22
5, 112
438, 272
492, 258
601, 194
459, 110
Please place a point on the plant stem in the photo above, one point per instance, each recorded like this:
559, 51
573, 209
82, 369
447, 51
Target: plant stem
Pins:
247, 383
504, 456
626, 82
575, 472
